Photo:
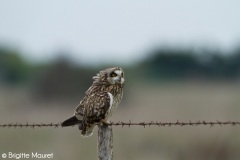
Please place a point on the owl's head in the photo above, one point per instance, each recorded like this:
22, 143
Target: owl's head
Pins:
113, 75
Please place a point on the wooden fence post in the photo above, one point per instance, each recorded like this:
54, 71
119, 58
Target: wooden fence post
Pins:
105, 142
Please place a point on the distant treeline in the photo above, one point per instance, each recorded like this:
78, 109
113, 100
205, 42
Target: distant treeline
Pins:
187, 63
62, 77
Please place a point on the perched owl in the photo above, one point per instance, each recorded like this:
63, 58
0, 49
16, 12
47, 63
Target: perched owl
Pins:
100, 100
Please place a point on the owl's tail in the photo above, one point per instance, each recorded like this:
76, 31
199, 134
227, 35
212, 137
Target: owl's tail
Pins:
70, 121
86, 129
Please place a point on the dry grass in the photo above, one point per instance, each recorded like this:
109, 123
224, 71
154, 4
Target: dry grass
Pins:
165, 102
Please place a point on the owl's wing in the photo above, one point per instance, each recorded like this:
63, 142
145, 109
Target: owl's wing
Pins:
95, 107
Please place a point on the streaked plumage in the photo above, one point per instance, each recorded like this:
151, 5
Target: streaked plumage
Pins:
100, 100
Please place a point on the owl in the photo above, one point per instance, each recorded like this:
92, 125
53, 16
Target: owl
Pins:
101, 99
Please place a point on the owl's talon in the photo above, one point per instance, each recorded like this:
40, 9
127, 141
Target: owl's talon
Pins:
104, 122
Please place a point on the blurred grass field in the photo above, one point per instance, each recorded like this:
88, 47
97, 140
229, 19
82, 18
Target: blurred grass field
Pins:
163, 102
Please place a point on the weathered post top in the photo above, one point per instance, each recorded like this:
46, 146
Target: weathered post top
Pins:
105, 142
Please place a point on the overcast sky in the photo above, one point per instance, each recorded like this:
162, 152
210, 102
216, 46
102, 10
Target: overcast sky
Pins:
98, 31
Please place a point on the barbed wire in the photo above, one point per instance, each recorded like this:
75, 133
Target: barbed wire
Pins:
177, 123
129, 124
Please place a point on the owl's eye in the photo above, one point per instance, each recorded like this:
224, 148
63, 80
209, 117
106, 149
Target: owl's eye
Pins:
113, 74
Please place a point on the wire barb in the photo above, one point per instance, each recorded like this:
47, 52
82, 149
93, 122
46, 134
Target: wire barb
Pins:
130, 124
